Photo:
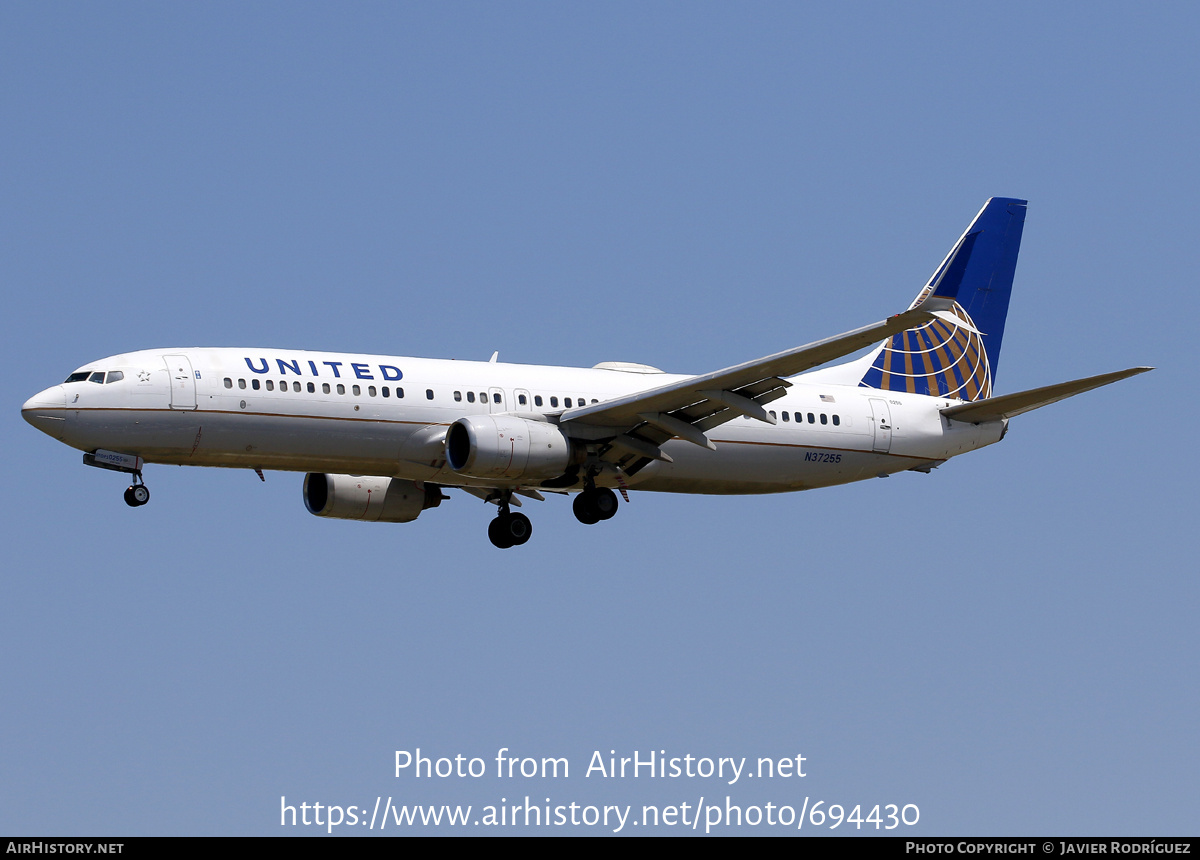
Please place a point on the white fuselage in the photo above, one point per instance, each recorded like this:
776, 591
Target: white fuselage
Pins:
328, 412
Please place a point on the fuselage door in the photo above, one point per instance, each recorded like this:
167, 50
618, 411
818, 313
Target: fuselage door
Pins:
881, 417
183, 381
496, 400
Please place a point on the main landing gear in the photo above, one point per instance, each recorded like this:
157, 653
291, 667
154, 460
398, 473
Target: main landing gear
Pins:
137, 494
595, 504
509, 528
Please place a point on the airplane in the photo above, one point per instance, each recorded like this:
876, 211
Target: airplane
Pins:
381, 437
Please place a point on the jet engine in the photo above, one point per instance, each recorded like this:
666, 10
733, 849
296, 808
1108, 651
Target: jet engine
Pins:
365, 497
503, 446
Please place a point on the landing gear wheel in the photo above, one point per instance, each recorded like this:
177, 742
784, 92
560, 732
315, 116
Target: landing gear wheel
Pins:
604, 503
584, 510
592, 506
498, 533
509, 530
137, 495
519, 528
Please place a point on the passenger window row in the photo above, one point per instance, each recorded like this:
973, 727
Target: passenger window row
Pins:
385, 391
471, 396
523, 399
326, 388
579, 401
799, 417
483, 398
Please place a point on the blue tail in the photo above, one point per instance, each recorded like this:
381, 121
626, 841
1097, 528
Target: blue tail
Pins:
958, 357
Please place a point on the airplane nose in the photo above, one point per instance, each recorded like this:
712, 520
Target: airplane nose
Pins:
46, 411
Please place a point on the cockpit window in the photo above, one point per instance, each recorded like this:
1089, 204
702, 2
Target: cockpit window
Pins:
114, 376
97, 377
78, 377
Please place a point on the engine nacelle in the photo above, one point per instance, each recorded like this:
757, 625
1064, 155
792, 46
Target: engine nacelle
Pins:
502, 446
366, 497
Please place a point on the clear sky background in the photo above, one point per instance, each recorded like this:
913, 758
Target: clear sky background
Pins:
1010, 643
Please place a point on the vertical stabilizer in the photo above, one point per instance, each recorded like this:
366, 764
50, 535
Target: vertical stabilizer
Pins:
956, 354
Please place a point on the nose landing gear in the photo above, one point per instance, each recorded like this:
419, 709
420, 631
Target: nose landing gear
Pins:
137, 493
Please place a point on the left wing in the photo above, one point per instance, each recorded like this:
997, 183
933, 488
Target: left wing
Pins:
633, 427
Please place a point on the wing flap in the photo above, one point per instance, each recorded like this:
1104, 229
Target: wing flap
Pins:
1009, 405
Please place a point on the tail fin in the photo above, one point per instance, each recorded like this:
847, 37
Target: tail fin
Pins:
956, 355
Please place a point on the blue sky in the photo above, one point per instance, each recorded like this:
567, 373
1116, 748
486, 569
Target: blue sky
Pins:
1008, 643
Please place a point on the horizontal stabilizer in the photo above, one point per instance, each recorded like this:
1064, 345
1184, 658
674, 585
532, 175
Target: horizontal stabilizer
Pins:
995, 408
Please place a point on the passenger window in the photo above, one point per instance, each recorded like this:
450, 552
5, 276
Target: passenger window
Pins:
114, 376
836, 420
483, 397
254, 384
270, 385
567, 402
228, 382
324, 387
772, 414
386, 391
824, 420
457, 396
399, 392
537, 400
521, 399
312, 388
97, 377
470, 396
497, 398
371, 390
812, 419
785, 417
341, 389
593, 399
295, 386
553, 401
357, 390
428, 393
241, 383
